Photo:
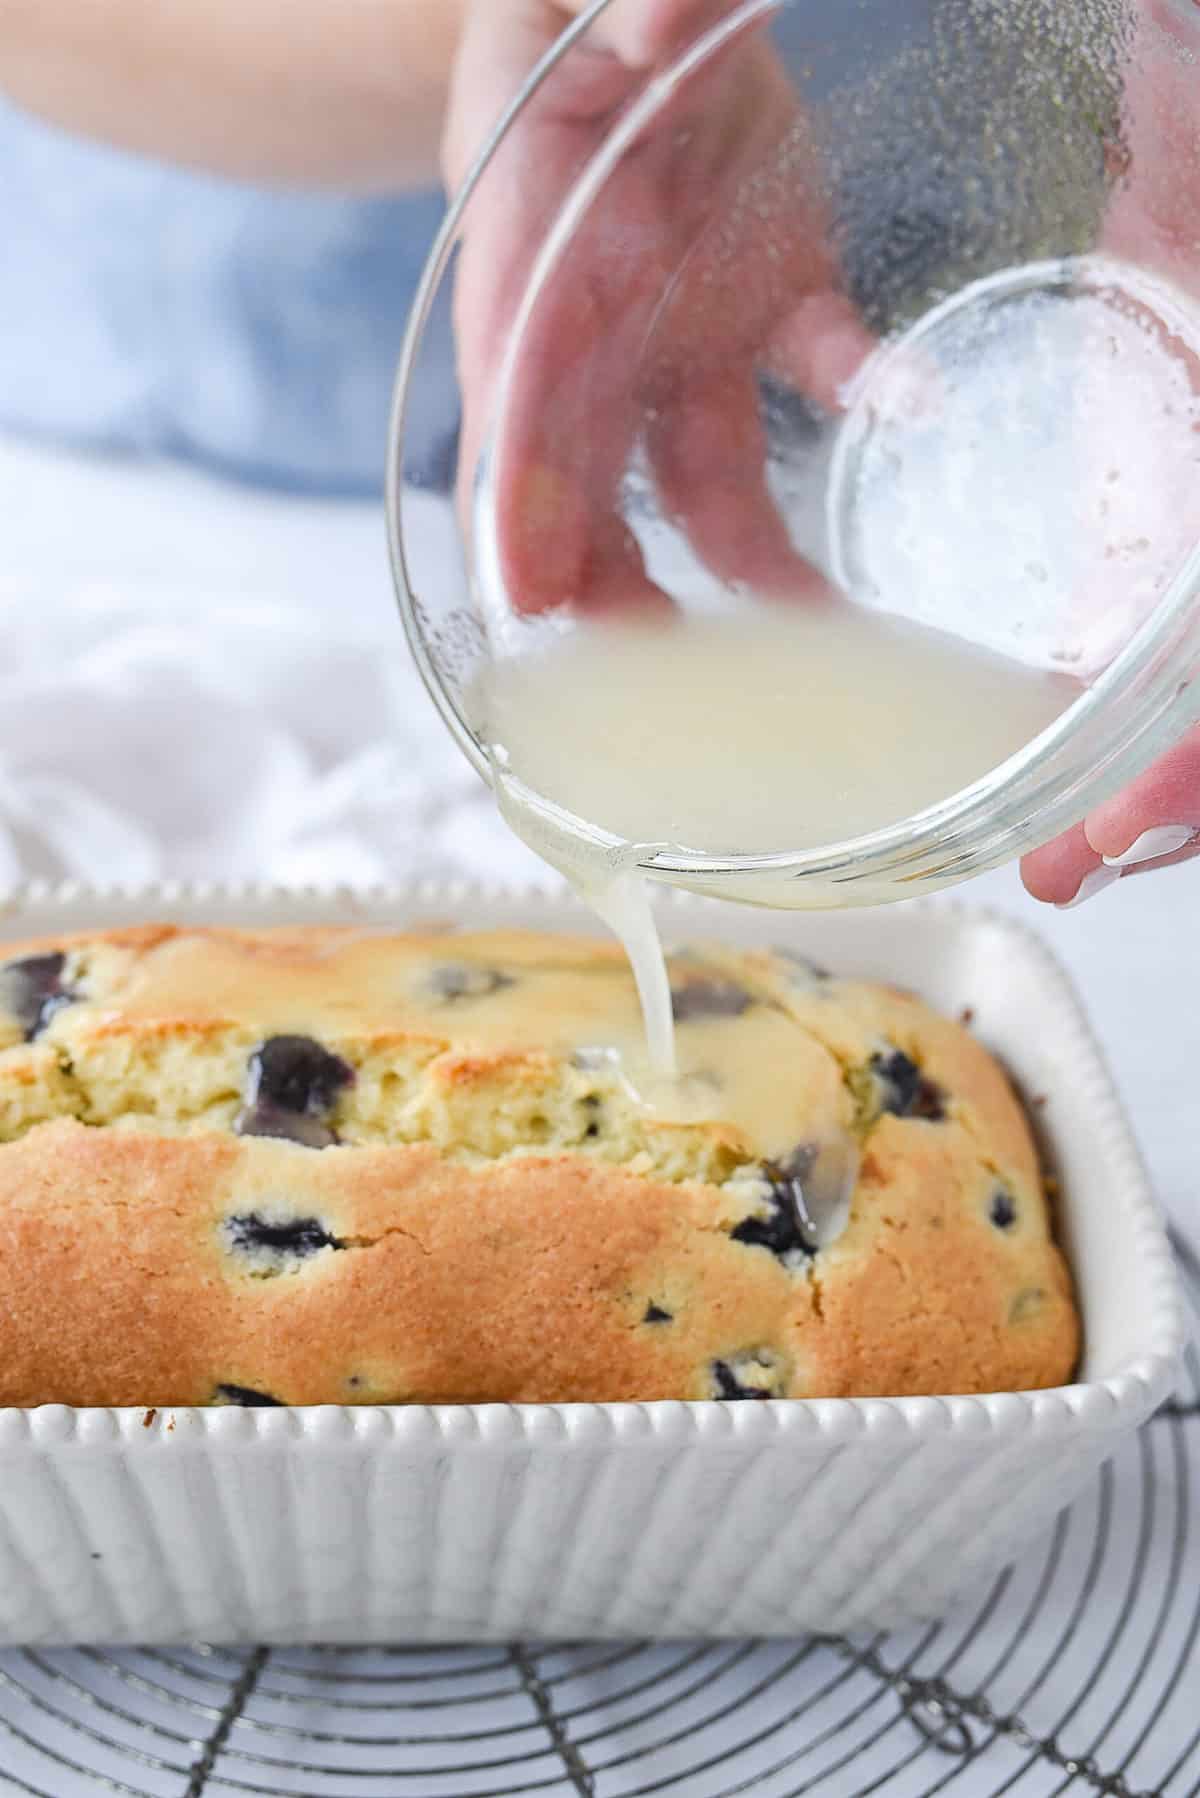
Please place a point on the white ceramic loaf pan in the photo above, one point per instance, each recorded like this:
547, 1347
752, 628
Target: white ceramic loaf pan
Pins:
660, 1520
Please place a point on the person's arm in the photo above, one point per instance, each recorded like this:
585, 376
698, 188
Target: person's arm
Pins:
349, 93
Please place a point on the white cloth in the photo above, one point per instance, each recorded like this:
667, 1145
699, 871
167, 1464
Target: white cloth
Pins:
198, 681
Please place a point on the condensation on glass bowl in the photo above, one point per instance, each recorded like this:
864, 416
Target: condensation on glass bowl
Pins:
1022, 467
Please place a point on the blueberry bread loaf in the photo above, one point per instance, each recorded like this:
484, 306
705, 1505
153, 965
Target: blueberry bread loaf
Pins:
322, 1166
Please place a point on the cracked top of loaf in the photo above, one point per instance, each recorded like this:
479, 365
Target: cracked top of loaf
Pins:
311, 1166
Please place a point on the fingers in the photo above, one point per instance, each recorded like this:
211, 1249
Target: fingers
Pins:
754, 290
559, 547
563, 446
708, 453
1155, 819
605, 345
1154, 823
820, 347
1068, 871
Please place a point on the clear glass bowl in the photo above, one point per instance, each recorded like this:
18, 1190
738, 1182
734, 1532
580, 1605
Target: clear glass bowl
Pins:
1008, 194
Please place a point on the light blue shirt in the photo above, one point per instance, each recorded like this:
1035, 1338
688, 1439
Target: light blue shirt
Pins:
149, 309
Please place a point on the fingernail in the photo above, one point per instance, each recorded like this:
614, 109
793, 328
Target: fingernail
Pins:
1166, 840
1090, 885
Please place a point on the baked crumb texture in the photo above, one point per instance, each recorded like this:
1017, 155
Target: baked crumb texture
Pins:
329, 1167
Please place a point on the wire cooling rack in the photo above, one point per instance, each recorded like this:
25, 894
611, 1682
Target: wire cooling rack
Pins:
1078, 1670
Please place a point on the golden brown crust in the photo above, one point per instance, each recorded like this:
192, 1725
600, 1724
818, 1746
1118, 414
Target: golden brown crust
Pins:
458, 1254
